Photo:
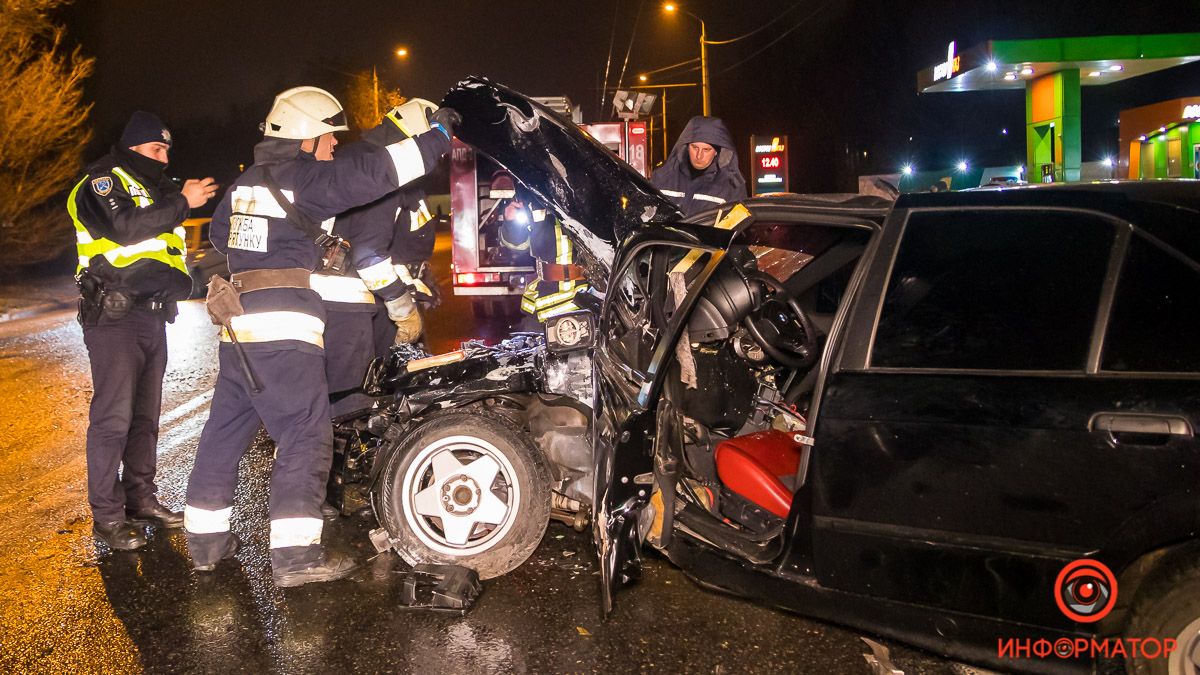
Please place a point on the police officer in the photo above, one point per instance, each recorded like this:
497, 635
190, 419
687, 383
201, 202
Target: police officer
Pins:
350, 299
128, 220
558, 277
265, 225
701, 171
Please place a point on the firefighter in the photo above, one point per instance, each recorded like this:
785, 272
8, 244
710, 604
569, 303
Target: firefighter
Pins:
266, 223
558, 277
413, 237
350, 298
701, 171
128, 218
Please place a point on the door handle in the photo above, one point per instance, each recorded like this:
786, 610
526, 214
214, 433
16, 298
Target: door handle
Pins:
1140, 428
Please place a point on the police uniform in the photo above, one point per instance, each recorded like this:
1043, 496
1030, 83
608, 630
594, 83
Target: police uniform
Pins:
558, 277
282, 334
128, 231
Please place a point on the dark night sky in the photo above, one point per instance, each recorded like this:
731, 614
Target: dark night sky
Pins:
841, 83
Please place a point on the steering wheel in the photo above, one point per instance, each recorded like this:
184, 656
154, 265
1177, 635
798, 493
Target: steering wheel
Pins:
780, 326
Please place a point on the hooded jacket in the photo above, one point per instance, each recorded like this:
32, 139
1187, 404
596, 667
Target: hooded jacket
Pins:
695, 191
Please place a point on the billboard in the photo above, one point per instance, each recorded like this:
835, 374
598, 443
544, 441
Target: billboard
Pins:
768, 164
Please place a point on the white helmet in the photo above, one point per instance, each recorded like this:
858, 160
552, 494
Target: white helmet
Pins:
302, 113
412, 116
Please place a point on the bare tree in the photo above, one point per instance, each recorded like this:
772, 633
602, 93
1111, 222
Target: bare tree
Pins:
362, 107
43, 113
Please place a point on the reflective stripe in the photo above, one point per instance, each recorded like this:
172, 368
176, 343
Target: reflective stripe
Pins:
378, 275
419, 217
287, 532
671, 193
139, 194
277, 326
256, 200
562, 246
202, 521
157, 249
406, 156
416, 284
556, 310
341, 289
708, 198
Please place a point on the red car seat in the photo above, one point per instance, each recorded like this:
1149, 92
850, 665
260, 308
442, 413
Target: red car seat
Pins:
760, 468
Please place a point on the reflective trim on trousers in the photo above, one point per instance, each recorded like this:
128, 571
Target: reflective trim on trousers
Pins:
202, 521
287, 532
277, 326
379, 275
341, 289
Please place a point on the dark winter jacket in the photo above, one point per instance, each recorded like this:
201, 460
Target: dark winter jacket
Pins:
696, 191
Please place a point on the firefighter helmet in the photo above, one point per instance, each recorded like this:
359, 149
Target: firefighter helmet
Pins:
302, 113
412, 116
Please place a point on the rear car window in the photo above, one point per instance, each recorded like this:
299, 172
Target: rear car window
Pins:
994, 290
1155, 323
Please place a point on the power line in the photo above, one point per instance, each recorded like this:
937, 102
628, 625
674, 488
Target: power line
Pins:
772, 42
612, 37
633, 34
760, 28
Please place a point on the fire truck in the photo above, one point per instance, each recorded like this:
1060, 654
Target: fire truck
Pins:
485, 265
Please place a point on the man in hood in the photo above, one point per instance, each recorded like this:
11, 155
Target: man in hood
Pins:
702, 170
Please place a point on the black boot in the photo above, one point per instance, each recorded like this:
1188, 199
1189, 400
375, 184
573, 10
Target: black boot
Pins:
156, 512
119, 534
331, 567
231, 547
329, 511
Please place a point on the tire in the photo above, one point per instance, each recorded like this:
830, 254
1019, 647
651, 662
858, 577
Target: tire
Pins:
1169, 608
408, 495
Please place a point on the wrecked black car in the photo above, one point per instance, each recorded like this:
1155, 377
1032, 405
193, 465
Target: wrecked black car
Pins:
911, 418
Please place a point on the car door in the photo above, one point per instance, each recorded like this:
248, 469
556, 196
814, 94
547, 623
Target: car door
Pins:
641, 321
977, 435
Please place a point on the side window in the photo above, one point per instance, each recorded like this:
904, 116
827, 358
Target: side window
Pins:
996, 289
1155, 323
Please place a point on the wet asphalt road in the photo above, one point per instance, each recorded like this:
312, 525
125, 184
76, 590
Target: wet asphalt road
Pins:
67, 606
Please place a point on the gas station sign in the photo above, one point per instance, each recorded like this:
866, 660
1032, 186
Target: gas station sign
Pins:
768, 164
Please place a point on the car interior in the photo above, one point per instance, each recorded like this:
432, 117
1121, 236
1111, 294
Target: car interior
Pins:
737, 393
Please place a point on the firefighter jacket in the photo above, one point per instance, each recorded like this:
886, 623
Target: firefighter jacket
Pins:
695, 191
255, 232
549, 244
128, 219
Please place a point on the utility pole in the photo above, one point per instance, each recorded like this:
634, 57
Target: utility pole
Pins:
704, 66
375, 86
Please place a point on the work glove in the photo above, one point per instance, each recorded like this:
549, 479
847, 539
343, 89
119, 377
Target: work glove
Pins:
403, 312
445, 120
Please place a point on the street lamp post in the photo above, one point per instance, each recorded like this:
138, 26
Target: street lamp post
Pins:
402, 52
706, 107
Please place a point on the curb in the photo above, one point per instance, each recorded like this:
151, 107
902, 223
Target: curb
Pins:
35, 310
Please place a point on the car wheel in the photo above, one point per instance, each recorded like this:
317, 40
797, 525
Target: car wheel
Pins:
468, 488
1169, 609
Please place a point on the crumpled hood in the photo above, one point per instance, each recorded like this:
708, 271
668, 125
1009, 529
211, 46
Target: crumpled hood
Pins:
599, 198
275, 150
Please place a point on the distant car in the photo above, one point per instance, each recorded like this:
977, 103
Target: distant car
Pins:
202, 260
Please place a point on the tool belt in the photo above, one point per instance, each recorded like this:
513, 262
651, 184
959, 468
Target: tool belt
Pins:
97, 299
257, 280
559, 272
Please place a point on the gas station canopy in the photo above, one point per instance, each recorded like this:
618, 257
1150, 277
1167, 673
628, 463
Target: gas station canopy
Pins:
1009, 64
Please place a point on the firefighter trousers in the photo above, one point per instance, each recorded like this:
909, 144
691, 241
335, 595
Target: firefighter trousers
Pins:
128, 358
349, 349
293, 405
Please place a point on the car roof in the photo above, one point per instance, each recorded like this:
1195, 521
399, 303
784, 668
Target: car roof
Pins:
1098, 195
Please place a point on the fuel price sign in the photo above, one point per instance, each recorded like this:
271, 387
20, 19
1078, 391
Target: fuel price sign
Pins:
768, 164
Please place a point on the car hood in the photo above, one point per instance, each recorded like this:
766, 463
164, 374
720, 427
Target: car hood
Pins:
599, 198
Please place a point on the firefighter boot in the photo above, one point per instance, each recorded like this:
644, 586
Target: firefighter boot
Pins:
331, 567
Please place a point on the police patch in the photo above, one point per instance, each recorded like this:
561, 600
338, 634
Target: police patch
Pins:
103, 185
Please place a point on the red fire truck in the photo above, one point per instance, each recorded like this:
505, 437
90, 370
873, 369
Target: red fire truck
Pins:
484, 264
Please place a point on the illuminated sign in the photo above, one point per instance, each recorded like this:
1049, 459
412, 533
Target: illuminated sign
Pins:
947, 70
1191, 112
768, 164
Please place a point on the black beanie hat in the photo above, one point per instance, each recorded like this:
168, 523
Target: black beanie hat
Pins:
144, 127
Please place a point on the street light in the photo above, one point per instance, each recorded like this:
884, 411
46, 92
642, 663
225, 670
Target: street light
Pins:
671, 7
401, 52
